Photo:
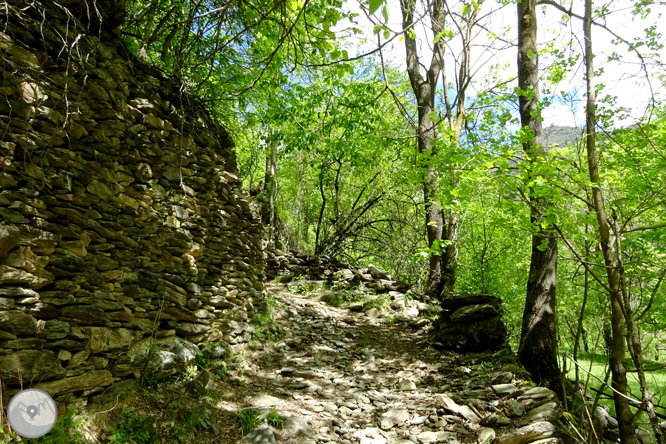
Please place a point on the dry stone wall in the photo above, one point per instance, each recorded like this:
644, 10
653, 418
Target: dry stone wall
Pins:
289, 265
122, 217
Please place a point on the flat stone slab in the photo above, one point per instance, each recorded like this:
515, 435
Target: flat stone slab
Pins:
407, 385
261, 435
434, 437
295, 426
529, 433
504, 389
393, 417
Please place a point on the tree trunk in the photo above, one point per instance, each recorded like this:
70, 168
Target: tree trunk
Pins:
538, 339
581, 316
270, 192
320, 221
618, 365
424, 90
635, 347
449, 262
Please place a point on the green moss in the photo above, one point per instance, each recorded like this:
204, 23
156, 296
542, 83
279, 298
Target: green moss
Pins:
518, 371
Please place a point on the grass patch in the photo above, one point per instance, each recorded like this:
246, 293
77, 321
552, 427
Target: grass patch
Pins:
222, 371
248, 420
264, 322
381, 302
336, 301
305, 287
67, 430
190, 423
133, 428
275, 419
597, 365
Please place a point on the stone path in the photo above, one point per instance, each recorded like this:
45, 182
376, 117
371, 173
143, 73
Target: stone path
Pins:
346, 377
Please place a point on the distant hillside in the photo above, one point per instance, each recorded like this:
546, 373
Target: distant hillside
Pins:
555, 135
562, 135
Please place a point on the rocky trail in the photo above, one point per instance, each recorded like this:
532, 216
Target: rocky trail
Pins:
340, 376
316, 373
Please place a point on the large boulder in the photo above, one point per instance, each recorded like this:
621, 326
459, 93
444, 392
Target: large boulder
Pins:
454, 302
470, 323
378, 273
161, 358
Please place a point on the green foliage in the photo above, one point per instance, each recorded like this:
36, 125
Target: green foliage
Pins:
336, 301
6, 436
67, 429
134, 428
265, 326
380, 302
202, 361
597, 365
248, 420
222, 371
275, 419
299, 288
193, 421
235, 382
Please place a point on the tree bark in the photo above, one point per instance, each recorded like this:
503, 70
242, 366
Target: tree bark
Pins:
318, 242
424, 90
270, 192
581, 316
634, 344
618, 365
538, 339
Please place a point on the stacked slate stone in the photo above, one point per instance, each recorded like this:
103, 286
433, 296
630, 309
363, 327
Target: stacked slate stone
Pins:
122, 217
291, 264
470, 322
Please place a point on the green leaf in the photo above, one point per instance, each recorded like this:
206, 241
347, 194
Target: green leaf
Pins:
385, 13
448, 33
437, 37
466, 9
374, 5
530, 54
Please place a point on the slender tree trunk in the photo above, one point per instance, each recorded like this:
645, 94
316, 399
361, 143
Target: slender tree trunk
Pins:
303, 224
318, 242
424, 89
618, 365
635, 348
449, 262
581, 316
270, 192
538, 339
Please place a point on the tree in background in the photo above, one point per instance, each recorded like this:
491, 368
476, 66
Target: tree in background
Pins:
441, 124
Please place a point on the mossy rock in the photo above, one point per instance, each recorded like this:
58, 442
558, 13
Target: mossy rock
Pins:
508, 359
518, 371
